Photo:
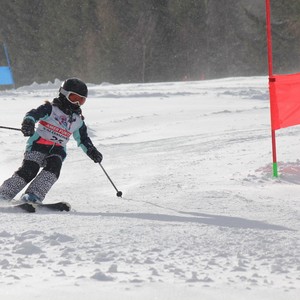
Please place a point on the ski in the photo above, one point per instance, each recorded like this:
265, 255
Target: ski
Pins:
33, 207
58, 206
28, 207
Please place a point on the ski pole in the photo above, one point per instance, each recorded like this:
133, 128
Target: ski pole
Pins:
10, 128
119, 193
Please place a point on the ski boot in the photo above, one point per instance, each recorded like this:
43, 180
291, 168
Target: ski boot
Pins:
30, 198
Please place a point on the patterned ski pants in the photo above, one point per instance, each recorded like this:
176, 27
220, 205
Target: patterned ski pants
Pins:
40, 182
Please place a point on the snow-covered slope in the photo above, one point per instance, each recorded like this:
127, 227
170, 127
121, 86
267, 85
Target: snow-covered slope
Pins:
201, 216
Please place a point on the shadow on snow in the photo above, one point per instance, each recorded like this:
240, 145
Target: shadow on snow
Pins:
198, 218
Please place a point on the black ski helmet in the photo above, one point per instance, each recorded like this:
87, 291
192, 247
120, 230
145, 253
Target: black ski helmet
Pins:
75, 85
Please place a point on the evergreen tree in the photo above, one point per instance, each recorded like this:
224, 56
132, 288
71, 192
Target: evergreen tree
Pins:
146, 40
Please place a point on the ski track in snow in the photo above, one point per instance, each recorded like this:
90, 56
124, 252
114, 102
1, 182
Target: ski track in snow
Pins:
201, 214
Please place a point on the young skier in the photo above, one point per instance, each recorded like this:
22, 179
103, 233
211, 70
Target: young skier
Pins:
46, 147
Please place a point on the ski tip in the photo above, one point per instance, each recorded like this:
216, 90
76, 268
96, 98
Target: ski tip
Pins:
68, 206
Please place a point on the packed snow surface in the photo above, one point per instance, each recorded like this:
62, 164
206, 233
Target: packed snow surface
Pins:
201, 216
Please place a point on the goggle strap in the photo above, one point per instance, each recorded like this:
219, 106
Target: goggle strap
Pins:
64, 92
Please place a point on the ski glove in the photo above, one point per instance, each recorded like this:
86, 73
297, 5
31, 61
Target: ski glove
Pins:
28, 127
94, 154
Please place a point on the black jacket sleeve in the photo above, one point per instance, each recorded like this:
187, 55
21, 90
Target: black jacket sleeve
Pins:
40, 112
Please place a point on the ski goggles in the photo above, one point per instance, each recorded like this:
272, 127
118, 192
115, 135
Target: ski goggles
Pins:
73, 97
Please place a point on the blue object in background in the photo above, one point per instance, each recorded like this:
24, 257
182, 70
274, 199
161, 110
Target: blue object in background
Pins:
6, 77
